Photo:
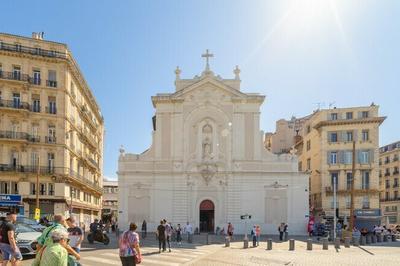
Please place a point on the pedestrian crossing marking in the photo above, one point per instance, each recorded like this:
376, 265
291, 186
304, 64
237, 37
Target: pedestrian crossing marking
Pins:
158, 262
104, 261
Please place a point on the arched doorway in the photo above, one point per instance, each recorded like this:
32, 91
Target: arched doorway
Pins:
207, 216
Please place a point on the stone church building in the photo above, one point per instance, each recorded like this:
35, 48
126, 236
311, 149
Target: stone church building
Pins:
207, 164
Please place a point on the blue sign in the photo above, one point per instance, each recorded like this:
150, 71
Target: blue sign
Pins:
367, 212
10, 199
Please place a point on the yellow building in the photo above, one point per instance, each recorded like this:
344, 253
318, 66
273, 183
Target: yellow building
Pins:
325, 152
389, 180
48, 116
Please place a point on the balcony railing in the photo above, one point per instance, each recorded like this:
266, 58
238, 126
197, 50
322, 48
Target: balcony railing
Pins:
51, 83
14, 76
51, 110
396, 172
13, 135
35, 108
387, 174
14, 104
35, 81
31, 50
50, 139
47, 170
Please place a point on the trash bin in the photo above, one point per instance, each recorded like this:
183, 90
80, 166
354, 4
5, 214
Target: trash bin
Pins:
227, 241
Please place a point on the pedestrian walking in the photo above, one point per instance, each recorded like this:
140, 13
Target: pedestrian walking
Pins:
168, 233
258, 234
144, 229
56, 253
281, 230
230, 231
178, 231
161, 236
129, 249
189, 232
75, 234
8, 242
254, 236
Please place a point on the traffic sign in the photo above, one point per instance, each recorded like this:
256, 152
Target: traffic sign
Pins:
37, 214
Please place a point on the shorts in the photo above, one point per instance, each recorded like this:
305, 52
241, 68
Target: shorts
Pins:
76, 249
8, 253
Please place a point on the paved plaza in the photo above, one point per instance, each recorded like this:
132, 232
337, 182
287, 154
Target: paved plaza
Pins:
216, 254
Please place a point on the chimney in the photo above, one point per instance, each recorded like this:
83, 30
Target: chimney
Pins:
37, 35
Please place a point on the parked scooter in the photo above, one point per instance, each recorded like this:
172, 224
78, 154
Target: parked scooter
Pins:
99, 235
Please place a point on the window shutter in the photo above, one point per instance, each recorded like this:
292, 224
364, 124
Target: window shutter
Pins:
329, 136
371, 156
358, 156
341, 157
359, 115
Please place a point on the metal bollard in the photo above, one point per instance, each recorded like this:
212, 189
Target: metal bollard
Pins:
363, 241
368, 238
245, 243
269, 244
356, 241
227, 241
373, 239
347, 242
325, 244
385, 238
309, 244
291, 244
337, 243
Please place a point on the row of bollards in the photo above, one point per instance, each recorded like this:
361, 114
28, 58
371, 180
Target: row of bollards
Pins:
356, 241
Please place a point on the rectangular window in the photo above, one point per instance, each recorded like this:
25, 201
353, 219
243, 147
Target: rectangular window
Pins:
387, 183
36, 77
42, 188
365, 114
16, 100
396, 182
348, 180
392, 219
308, 145
365, 180
349, 115
333, 157
333, 137
334, 179
51, 189
364, 159
36, 105
308, 129
349, 136
17, 72
52, 109
50, 162
51, 137
33, 189
365, 202
334, 116
348, 202
308, 164
396, 195
14, 188
5, 187
52, 81
34, 160
300, 167
365, 135
348, 157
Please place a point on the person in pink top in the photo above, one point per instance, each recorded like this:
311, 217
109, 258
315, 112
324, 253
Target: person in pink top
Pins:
129, 246
258, 234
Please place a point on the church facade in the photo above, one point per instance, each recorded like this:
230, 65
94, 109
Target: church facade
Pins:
207, 164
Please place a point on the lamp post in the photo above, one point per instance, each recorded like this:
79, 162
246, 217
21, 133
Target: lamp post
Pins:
37, 188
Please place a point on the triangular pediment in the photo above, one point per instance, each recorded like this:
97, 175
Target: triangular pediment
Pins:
208, 82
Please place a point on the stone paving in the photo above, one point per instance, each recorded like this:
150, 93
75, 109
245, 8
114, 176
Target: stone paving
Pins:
217, 254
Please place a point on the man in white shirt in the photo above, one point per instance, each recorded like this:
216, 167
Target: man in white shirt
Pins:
75, 234
189, 231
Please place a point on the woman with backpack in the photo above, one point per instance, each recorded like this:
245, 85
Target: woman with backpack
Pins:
129, 250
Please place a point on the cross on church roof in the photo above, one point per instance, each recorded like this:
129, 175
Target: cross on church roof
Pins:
207, 55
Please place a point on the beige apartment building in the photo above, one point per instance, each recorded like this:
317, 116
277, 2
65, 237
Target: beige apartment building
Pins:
325, 152
389, 180
48, 116
110, 200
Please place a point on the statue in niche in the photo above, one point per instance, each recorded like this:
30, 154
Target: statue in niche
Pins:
207, 143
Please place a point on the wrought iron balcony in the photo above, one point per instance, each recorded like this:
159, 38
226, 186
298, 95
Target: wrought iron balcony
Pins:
31, 50
14, 104
13, 135
35, 81
396, 172
51, 110
51, 83
14, 76
35, 108
50, 139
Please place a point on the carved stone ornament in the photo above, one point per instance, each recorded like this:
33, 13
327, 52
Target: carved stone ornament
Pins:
207, 171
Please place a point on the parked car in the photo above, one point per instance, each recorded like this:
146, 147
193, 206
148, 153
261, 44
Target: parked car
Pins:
26, 239
32, 223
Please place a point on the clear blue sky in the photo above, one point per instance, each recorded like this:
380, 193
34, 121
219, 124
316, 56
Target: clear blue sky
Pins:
297, 53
